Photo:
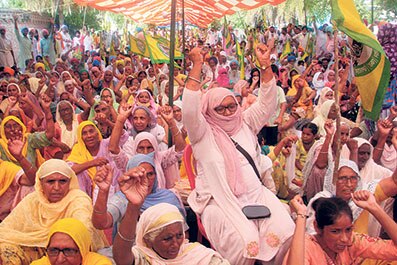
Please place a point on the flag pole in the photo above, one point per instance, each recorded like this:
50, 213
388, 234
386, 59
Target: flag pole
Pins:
172, 66
336, 94
183, 36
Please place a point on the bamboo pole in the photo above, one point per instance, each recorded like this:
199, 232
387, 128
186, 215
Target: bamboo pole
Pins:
172, 66
336, 94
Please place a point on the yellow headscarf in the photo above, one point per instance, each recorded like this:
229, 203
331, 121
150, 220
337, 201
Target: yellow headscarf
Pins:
8, 171
29, 223
4, 141
80, 153
80, 235
293, 90
38, 65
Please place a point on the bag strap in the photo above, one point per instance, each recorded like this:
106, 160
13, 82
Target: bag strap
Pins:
248, 157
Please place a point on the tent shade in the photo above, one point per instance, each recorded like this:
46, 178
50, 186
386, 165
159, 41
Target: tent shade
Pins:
198, 12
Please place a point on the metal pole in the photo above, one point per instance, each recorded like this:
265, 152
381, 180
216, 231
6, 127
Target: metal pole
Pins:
336, 92
183, 36
85, 12
372, 15
172, 56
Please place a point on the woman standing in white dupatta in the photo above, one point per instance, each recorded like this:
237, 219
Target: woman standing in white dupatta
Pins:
226, 182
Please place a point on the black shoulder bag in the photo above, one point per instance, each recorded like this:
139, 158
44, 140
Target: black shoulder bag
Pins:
252, 211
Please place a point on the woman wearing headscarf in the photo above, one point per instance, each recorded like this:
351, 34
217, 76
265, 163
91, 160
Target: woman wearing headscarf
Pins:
302, 96
369, 170
142, 119
326, 94
90, 152
223, 78
15, 181
68, 122
163, 98
12, 93
226, 181
328, 111
56, 196
146, 143
71, 237
12, 128
144, 98
155, 224
109, 213
318, 83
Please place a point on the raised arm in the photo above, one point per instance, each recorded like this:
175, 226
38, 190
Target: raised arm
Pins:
322, 158
192, 118
296, 255
114, 142
177, 139
28, 178
135, 186
366, 200
260, 112
101, 218
384, 128
45, 104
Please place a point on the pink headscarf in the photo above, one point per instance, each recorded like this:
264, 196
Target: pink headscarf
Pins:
151, 105
223, 127
223, 78
238, 87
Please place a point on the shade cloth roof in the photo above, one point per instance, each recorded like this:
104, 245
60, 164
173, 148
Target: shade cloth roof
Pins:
197, 12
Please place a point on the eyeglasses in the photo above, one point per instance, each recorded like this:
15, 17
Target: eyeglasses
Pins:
345, 179
68, 252
222, 109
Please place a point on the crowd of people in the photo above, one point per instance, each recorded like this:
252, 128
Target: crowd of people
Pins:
98, 165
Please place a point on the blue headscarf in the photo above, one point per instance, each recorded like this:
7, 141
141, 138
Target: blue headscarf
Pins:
24, 29
157, 195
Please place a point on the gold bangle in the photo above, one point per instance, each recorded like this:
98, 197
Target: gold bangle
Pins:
193, 79
302, 215
378, 148
124, 238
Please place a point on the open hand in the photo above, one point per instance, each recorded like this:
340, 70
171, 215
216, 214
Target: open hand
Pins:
15, 146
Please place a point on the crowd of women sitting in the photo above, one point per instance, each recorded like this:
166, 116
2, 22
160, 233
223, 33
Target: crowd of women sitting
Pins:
87, 175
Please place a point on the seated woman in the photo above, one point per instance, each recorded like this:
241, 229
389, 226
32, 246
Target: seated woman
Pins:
141, 119
70, 240
226, 180
347, 182
334, 241
144, 98
302, 96
160, 237
15, 181
319, 161
90, 152
57, 195
12, 128
145, 143
108, 213
67, 122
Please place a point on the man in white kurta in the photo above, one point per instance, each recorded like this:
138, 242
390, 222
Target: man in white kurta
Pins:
25, 45
6, 59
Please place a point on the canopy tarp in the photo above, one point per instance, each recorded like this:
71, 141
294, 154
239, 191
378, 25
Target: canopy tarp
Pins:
158, 12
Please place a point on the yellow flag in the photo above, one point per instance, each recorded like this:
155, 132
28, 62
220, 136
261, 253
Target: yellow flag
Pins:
371, 65
159, 49
139, 47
